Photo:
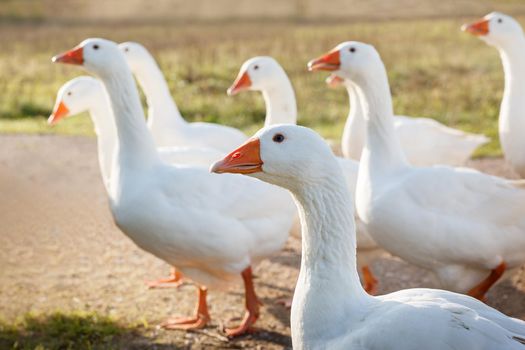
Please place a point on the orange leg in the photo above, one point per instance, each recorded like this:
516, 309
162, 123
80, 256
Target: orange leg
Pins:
252, 306
370, 280
174, 280
201, 318
482, 288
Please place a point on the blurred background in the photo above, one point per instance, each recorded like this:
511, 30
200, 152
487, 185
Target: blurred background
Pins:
69, 279
435, 70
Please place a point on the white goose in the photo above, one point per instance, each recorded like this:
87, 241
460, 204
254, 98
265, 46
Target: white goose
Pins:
164, 119
211, 228
465, 226
265, 74
87, 94
330, 309
424, 141
505, 34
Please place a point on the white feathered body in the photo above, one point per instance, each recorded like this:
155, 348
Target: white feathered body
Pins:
415, 319
427, 142
196, 135
457, 222
211, 227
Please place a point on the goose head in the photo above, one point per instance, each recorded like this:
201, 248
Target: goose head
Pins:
96, 55
496, 29
136, 55
257, 74
285, 155
351, 60
76, 96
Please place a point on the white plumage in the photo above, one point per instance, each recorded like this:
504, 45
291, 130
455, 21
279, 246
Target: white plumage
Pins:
505, 34
464, 226
212, 228
164, 119
265, 74
330, 309
424, 141
87, 94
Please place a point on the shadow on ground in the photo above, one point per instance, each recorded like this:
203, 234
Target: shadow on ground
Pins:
69, 331
81, 330
508, 297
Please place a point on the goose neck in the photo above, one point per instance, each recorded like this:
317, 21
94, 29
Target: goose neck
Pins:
100, 110
328, 282
281, 106
162, 109
103, 121
329, 242
382, 153
136, 147
512, 57
355, 130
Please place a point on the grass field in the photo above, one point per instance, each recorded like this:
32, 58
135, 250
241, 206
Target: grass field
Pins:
435, 70
78, 330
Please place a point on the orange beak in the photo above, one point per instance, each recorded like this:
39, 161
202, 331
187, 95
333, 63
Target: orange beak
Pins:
244, 160
73, 56
243, 82
330, 62
334, 81
478, 28
59, 113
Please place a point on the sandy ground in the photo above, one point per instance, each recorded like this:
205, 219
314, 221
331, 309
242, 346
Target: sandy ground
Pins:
61, 251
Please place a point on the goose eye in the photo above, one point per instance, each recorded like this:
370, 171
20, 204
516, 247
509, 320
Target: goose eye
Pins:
352, 49
255, 67
500, 20
278, 138
126, 49
69, 93
95, 47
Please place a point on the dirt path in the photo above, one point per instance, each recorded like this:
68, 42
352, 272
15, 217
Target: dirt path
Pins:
61, 251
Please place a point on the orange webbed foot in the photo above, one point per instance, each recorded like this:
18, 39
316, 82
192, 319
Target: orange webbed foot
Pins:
245, 327
175, 280
200, 320
252, 307
186, 323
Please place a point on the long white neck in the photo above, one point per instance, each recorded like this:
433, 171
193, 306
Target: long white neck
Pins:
328, 286
135, 148
281, 106
355, 128
382, 154
512, 112
104, 122
162, 110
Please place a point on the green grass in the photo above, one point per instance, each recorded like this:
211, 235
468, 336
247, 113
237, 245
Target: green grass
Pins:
435, 71
80, 330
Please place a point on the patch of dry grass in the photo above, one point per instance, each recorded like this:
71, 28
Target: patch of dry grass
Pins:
435, 71
78, 330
